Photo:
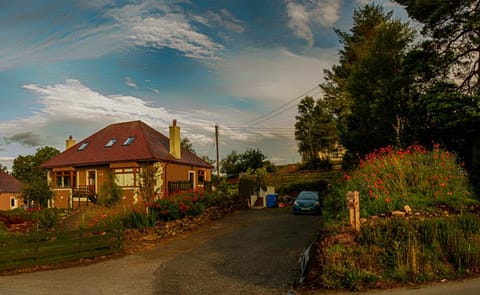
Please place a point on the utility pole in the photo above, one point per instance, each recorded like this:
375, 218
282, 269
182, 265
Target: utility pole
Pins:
218, 158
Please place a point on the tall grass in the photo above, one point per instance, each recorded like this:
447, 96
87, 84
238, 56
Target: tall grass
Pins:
395, 251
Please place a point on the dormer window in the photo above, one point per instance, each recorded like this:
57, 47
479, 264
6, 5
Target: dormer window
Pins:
111, 142
128, 140
82, 146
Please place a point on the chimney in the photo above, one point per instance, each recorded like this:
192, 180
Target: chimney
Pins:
69, 142
175, 140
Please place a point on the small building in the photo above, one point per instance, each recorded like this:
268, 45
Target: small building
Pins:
10, 192
124, 151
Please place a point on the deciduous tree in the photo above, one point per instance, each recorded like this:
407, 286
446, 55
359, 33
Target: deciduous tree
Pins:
27, 169
315, 128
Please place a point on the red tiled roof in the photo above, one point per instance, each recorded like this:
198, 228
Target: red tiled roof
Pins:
9, 184
149, 144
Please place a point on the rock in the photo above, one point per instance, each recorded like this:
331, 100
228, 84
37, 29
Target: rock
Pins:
407, 209
398, 214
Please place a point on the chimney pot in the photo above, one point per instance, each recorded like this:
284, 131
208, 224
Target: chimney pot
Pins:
174, 122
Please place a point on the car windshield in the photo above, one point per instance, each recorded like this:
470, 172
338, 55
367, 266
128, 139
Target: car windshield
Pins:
307, 196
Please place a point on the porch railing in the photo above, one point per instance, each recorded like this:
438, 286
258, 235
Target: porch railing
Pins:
175, 186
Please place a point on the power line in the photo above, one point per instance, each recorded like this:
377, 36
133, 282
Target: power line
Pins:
260, 120
262, 117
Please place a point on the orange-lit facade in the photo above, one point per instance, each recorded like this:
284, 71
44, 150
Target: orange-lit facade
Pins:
122, 151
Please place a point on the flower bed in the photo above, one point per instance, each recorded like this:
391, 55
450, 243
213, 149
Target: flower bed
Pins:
390, 178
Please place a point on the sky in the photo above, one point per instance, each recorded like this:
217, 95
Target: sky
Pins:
70, 68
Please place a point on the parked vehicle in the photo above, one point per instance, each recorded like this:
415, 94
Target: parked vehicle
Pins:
307, 202
32, 207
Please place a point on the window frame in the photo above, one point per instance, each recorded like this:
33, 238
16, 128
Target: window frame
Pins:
120, 173
65, 179
111, 142
83, 146
128, 141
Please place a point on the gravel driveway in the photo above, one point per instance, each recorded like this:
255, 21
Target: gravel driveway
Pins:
248, 252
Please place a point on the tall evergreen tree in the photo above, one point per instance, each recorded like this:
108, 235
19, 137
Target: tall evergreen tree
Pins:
366, 90
452, 29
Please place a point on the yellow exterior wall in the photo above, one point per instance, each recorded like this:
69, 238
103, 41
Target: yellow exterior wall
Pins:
131, 196
61, 198
5, 200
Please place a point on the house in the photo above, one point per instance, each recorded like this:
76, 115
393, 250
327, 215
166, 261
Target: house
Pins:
10, 192
124, 151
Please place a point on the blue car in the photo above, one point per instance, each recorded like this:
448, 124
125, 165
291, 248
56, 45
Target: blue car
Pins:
307, 202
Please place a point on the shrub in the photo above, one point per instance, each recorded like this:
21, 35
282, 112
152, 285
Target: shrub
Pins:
390, 178
47, 218
397, 250
293, 189
141, 220
316, 164
110, 193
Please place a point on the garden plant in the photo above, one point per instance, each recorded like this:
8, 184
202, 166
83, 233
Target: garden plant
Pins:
436, 241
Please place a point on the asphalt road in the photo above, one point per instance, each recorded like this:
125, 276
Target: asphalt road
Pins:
249, 252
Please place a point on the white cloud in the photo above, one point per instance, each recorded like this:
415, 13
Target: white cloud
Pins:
130, 82
154, 90
71, 108
222, 19
310, 12
146, 23
273, 75
155, 24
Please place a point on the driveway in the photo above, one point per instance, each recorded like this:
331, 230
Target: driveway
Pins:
248, 252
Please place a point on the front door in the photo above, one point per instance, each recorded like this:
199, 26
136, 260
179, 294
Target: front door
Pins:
191, 178
91, 182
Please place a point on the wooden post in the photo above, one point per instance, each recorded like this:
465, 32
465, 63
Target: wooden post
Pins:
353, 204
351, 209
356, 203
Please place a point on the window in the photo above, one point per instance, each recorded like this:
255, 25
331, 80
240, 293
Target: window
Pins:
111, 142
65, 179
13, 203
126, 176
201, 177
128, 140
82, 146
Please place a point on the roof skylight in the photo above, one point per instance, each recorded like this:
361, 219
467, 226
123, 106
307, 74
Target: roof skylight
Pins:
111, 142
82, 146
128, 140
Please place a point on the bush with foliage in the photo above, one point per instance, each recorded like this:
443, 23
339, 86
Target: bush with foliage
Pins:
390, 178
110, 192
47, 218
293, 189
397, 250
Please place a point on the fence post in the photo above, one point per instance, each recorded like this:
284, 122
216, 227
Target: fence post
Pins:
353, 204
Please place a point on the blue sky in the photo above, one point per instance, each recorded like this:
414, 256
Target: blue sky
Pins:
73, 67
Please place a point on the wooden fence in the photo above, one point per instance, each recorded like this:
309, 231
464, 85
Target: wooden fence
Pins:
56, 247
175, 186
